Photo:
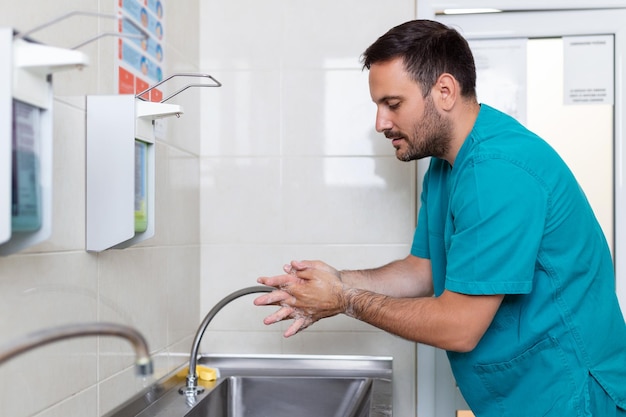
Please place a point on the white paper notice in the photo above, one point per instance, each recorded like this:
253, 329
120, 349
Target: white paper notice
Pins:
501, 74
588, 69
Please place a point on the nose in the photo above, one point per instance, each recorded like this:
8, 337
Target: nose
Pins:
382, 121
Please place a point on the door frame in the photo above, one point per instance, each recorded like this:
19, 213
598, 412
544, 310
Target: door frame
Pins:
437, 394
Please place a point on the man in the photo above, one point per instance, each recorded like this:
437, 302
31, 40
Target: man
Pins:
522, 277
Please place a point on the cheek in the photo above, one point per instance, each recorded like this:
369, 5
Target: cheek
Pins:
406, 122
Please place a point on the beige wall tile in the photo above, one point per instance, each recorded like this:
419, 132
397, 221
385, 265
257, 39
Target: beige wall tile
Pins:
152, 287
82, 404
292, 167
266, 140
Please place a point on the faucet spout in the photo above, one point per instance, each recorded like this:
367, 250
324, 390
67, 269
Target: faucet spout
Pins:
33, 340
191, 388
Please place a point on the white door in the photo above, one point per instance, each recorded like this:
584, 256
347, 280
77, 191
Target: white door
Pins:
525, 65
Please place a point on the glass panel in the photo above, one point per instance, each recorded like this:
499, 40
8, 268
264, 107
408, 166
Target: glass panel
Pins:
582, 133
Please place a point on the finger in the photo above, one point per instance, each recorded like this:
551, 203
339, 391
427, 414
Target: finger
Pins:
298, 266
295, 327
274, 297
302, 265
278, 280
307, 270
279, 315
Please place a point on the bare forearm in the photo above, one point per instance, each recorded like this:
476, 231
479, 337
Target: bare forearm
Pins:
408, 277
452, 321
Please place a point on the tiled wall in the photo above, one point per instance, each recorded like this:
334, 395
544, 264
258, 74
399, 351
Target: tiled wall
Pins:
152, 287
292, 168
281, 163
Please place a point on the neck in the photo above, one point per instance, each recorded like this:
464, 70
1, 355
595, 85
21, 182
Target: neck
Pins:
463, 118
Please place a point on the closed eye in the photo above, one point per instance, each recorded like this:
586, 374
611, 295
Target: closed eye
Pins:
390, 102
393, 103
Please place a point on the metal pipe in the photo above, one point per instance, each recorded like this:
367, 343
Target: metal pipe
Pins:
192, 387
143, 363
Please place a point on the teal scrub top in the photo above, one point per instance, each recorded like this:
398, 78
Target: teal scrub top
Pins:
509, 218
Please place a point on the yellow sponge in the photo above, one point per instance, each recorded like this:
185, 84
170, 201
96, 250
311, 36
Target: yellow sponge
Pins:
204, 373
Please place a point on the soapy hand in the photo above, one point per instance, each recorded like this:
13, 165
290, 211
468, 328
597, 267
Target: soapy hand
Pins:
279, 297
307, 292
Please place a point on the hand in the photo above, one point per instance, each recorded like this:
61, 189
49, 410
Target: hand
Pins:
308, 292
278, 297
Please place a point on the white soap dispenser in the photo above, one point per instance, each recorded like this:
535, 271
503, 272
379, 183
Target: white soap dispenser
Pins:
120, 196
26, 94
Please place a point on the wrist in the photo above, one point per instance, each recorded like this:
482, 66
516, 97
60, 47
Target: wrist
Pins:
349, 295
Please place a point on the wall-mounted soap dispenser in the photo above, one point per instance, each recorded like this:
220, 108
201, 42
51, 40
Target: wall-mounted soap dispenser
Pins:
26, 101
121, 166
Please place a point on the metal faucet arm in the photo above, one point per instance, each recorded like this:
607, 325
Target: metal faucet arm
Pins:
43, 337
192, 387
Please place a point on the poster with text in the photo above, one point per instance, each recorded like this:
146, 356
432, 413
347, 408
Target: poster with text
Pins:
588, 69
139, 53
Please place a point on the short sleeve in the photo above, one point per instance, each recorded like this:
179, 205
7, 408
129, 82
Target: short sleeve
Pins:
498, 213
420, 245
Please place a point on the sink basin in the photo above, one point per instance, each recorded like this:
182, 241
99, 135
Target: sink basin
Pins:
276, 386
286, 397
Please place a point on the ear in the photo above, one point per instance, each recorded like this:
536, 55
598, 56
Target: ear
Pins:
447, 91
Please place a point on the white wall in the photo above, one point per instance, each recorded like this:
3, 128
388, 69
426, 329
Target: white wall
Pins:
292, 168
289, 166
152, 287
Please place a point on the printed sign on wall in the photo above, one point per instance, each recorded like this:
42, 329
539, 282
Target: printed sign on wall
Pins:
139, 61
588, 76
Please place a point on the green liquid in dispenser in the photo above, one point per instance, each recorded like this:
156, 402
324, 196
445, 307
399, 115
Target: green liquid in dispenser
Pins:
141, 185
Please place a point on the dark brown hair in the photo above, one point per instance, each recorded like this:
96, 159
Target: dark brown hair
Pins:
428, 49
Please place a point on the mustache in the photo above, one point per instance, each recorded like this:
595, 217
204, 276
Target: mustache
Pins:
391, 134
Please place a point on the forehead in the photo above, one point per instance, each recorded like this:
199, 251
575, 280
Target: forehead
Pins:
390, 79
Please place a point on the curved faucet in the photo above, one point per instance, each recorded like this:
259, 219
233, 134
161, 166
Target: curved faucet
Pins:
192, 388
143, 363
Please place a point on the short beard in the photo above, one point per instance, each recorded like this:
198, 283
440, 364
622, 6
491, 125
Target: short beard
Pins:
431, 136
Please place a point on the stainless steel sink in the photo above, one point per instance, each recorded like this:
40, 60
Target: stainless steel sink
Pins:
276, 386
286, 397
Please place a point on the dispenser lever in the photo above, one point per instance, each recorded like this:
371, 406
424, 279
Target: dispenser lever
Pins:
182, 74
143, 34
